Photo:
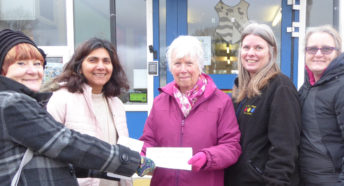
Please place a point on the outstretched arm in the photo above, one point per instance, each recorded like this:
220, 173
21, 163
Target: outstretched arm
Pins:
28, 124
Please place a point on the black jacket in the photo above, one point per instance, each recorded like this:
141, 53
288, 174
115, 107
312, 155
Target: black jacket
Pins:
24, 123
270, 131
325, 99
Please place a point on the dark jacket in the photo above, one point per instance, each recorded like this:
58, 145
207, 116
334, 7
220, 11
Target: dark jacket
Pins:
26, 124
270, 132
323, 110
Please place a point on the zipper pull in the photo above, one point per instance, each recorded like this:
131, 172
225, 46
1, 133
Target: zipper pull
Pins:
183, 126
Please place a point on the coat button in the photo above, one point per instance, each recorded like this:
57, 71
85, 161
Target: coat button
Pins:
124, 157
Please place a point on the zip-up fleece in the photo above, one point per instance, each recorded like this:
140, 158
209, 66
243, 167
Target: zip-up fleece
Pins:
210, 127
270, 136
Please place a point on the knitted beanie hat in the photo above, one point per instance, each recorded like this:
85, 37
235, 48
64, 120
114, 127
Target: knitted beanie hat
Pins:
10, 38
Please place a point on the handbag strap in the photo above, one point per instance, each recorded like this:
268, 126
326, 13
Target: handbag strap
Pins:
26, 158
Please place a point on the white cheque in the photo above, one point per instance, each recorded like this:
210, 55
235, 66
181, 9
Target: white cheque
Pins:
170, 157
133, 144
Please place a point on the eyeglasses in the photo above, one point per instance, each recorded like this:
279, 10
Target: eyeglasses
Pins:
324, 50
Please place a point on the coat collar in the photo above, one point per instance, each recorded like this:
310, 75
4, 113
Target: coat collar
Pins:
209, 90
335, 68
7, 84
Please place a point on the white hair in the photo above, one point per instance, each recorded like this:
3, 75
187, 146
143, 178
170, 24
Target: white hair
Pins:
184, 46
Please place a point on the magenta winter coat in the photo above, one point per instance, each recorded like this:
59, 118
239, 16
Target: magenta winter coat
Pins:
210, 127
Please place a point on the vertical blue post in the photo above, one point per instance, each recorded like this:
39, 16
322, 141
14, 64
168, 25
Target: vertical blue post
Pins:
156, 42
286, 39
176, 23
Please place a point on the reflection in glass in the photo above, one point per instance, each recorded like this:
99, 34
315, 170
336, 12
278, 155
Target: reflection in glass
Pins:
39, 19
223, 20
162, 43
316, 6
91, 19
52, 69
132, 45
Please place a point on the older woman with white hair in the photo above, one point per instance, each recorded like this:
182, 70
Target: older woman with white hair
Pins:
268, 113
192, 112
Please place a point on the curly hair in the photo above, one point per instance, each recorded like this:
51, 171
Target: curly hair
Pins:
73, 79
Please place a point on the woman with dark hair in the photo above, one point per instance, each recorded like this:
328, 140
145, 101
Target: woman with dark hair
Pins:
74, 78
87, 97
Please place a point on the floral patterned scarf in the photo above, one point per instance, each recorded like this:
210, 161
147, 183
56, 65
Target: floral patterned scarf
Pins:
187, 100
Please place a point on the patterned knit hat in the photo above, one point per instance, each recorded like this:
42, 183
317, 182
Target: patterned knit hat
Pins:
10, 38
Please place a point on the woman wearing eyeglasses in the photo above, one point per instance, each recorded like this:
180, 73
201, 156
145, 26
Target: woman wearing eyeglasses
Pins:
322, 101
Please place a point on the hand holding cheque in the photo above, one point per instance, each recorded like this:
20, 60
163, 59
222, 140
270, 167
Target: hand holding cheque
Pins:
166, 157
198, 161
176, 158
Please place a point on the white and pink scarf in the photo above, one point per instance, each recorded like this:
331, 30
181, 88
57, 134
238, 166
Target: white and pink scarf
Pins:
187, 100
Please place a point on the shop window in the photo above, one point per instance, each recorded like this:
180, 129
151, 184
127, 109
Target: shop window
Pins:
52, 69
91, 19
131, 39
124, 24
39, 19
219, 23
315, 7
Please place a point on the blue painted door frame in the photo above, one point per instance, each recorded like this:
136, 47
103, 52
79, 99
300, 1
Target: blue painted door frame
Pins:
289, 45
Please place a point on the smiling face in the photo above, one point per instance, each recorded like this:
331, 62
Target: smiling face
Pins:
318, 62
26, 72
185, 72
254, 54
97, 69
24, 64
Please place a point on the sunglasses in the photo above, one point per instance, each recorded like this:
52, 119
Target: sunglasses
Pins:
324, 50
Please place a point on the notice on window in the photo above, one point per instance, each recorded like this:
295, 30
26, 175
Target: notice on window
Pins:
206, 44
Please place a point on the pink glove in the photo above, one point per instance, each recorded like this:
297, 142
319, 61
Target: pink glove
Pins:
198, 161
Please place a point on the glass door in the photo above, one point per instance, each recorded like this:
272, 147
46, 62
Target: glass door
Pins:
217, 23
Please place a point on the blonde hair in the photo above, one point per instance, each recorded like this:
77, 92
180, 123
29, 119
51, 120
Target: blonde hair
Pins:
22, 51
251, 86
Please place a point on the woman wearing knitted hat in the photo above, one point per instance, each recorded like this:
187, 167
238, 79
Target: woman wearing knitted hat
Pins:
36, 149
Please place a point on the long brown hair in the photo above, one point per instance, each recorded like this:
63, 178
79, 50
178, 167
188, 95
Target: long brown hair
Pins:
251, 86
73, 79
